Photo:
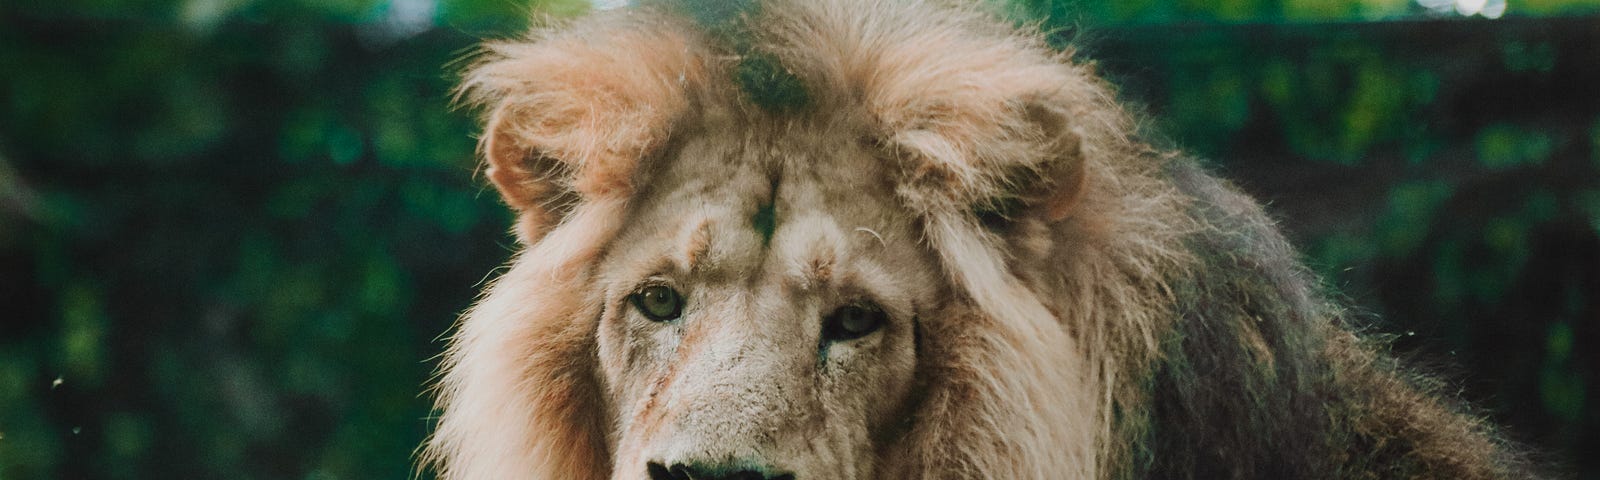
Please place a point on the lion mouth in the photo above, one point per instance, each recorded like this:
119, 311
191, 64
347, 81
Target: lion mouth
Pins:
680, 471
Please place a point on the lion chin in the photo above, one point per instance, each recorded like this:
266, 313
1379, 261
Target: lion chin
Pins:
889, 239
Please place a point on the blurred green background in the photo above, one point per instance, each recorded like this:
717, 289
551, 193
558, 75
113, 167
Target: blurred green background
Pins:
233, 231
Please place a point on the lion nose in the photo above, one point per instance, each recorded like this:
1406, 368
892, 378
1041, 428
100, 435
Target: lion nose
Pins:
698, 471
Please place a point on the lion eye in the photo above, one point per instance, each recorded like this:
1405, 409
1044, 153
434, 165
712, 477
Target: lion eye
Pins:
852, 322
659, 303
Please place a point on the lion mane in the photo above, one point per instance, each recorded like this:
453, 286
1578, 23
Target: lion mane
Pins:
1122, 313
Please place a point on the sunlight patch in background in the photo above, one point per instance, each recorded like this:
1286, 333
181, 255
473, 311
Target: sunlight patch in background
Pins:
1487, 8
405, 18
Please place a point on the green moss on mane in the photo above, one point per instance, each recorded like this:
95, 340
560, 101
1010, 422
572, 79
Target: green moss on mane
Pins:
763, 78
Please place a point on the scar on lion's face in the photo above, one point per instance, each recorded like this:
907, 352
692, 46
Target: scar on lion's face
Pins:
797, 289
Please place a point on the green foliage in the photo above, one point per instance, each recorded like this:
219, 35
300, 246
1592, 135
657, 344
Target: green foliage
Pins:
1555, 7
1128, 12
234, 230
1402, 229
1503, 146
249, 222
1560, 386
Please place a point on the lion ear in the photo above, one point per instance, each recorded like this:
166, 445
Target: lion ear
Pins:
1052, 186
1021, 157
570, 117
535, 184
983, 123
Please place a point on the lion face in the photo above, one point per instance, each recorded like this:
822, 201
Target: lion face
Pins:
760, 312
850, 288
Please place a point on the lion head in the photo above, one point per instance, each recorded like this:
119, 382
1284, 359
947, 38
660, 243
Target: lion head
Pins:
846, 239
714, 286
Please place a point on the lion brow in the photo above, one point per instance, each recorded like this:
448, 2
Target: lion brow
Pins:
820, 270
814, 268
696, 243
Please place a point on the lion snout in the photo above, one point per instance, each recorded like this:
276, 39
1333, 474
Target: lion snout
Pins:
693, 470
686, 455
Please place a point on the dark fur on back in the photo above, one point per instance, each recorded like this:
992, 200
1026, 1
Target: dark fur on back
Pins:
1301, 396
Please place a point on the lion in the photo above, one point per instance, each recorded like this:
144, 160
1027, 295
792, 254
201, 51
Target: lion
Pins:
890, 239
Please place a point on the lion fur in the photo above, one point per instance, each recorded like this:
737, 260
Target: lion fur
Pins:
1127, 315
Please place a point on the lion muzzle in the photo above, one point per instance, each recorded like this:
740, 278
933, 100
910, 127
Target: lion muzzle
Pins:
709, 471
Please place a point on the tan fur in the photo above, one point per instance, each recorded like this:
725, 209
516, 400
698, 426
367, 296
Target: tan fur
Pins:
1051, 346
595, 99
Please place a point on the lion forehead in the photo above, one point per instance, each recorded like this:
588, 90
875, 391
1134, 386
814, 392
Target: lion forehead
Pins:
734, 202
